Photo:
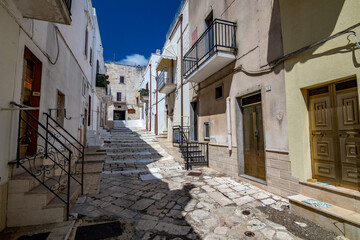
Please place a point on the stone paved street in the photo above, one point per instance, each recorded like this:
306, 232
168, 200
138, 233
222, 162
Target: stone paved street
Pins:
144, 186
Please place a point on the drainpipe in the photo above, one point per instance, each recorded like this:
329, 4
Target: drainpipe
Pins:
182, 77
156, 116
150, 98
228, 113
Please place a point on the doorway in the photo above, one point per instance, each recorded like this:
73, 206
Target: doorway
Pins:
253, 137
209, 38
335, 133
31, 98
119, 115
194, 114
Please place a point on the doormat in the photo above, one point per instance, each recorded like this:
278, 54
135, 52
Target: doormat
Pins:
317, 203
99, 231
194, 174
38, 236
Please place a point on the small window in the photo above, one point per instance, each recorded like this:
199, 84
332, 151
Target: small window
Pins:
86, 42
118, 96
84, 87
219, 92
122, 79
206, 131
60, 111
91, 56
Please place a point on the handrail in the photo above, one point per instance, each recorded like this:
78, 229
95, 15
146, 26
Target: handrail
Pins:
220, 35
81, 151
187, 148
62, 128
53, 149
38, 122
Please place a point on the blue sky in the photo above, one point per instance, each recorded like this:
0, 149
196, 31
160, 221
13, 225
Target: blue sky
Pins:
134, 29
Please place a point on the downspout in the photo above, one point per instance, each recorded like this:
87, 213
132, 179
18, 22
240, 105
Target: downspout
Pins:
150, 98
228, 114
182, 77
156, 116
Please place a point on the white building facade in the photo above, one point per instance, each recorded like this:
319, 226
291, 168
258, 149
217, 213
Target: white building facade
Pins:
49, 65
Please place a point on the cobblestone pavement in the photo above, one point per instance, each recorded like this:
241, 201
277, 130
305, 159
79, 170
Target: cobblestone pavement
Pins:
143, 185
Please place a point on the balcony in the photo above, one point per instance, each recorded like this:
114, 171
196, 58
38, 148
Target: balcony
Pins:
166, 84
144, 95
214, 49
101, 81
58, 11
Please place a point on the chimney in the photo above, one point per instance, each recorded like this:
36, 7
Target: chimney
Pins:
158, 51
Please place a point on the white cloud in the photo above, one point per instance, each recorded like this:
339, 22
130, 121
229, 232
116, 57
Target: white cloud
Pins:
134, 59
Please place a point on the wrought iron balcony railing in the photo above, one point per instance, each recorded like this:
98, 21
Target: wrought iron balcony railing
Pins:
164, 79
219, 36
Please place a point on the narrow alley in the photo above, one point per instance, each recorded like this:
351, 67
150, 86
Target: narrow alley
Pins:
144, 188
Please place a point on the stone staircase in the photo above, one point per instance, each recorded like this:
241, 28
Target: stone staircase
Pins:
30, 202
134, 151
340, 211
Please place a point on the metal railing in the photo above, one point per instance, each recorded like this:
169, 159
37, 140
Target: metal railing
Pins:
164, 79
219, 36
49, 160
69, 140
194, 153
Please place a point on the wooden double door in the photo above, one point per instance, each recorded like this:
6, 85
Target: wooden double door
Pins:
335, 133
253, 135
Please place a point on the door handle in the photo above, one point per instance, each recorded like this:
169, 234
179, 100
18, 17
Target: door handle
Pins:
318, 134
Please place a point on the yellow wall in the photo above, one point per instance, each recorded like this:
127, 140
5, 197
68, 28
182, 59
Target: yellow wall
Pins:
305, 22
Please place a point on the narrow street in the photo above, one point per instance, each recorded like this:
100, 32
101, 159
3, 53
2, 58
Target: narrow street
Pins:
154, 198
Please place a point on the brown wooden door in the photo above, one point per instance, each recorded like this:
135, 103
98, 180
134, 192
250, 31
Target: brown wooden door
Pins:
31, 98
335, 134
254, 156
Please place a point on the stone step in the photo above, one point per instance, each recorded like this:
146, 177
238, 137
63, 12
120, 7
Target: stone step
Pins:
148, 160
340, 220
339, 196
43, 193
25, 182
136, 153
39, 214
15, 171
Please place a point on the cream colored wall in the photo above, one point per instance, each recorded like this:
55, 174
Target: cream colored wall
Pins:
257, 45
305, 22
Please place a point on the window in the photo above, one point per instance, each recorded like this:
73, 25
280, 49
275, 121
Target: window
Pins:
86, 41
118, 96
206, 131
219, 92
89, 118
122, 79
60, 111
91, 56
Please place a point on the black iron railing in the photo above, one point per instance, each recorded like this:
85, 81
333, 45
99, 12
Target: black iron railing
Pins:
46, 158
163, 79
68, 5
219, 36
193, 152
69, 140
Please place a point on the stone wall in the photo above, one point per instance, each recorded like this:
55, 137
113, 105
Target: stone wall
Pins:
278, 166
129, 89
